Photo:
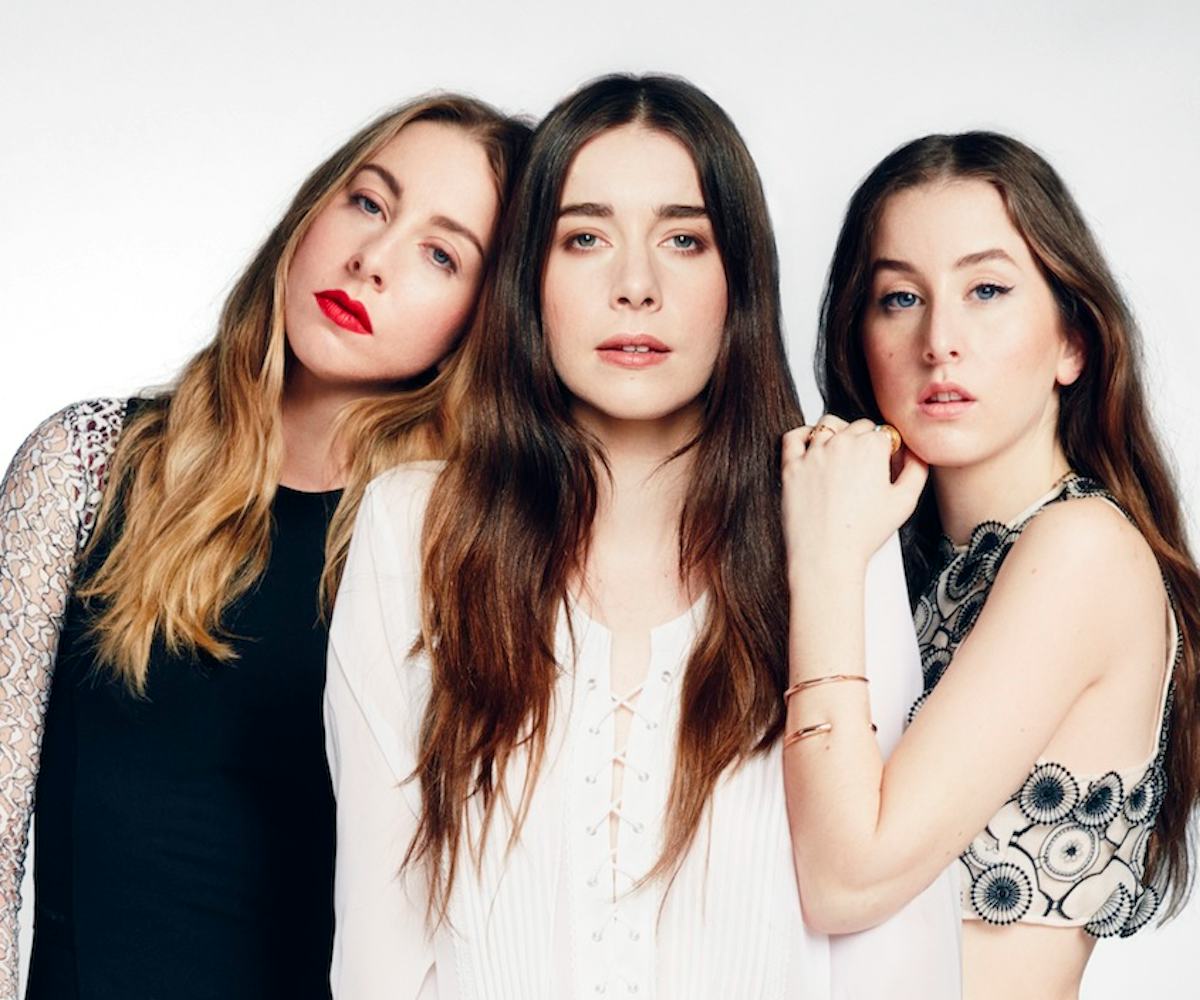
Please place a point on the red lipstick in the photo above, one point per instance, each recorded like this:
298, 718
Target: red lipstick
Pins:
633, 350
346, 312
945, 400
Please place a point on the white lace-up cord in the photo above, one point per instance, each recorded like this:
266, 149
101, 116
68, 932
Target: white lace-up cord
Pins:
615, 918
625, 701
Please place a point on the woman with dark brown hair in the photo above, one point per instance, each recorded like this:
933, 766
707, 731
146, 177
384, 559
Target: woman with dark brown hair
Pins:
556, 664
1057, 605
160, 568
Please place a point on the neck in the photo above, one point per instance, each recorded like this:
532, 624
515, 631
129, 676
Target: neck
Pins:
997, 489
313, 461
639, 504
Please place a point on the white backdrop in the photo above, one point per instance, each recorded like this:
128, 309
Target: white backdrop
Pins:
147, 147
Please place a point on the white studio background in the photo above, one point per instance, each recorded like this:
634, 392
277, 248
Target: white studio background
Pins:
148, 146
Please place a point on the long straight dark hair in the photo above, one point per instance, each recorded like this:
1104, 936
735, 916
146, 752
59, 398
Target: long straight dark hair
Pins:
510, 517
1103, 423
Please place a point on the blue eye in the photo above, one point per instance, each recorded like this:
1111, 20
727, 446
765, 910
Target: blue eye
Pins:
899, 300
685, 242
366, 204
987, 292
442, 259
583, 241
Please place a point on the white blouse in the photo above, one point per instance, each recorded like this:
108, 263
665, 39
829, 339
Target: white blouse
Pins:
556, 917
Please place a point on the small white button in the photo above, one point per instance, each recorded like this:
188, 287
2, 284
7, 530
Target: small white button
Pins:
666, 676
597, 936
600, 987
651, 724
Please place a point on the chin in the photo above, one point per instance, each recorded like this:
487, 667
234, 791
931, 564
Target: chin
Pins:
944, 451
619, 408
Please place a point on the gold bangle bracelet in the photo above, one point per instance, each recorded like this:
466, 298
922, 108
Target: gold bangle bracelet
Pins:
817, 730
817, 681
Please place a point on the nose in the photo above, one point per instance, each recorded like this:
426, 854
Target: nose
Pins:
635, 280
942, 340
367, 264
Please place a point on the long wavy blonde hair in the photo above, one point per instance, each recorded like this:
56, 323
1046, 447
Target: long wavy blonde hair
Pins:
196, 469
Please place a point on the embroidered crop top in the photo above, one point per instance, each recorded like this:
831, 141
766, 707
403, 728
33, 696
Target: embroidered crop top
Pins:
1066, 849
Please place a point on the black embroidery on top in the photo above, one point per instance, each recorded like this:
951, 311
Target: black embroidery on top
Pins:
1076, 844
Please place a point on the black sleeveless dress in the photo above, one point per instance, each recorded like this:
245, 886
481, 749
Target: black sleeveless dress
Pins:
184, 842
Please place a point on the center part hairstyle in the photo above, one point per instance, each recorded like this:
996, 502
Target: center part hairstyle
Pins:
1104, 426
510, 517
195, 471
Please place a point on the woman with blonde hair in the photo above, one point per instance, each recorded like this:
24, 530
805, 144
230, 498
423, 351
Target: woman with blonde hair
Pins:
1053, 753
160, 567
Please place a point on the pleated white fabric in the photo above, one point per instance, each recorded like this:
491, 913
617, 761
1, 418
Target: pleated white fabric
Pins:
556, 917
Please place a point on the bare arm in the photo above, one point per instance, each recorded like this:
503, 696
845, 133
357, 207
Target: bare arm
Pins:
868, 837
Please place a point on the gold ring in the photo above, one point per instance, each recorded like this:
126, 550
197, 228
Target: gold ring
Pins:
894, 434
820, 427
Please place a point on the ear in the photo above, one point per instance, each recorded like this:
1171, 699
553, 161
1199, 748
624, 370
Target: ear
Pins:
1071, 359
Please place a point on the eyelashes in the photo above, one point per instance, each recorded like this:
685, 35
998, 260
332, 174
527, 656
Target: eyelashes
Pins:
441, 259
899, 301
438, 256
896, 301
993, 291
367, 204
684, 244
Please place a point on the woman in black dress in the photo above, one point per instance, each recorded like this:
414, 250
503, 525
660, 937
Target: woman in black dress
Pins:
175, 654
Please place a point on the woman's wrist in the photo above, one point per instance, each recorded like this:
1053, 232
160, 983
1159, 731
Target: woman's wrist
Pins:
817, 570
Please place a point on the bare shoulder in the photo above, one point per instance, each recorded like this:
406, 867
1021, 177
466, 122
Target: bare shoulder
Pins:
1094, 556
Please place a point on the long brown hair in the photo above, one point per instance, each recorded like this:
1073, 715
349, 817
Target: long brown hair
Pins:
1103, 423
510, 518
196, 469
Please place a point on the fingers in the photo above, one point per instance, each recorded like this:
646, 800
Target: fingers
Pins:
799, 441
835, 424
795, 443
860, 427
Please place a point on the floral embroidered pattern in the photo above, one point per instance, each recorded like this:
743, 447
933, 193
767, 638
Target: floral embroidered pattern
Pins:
1065, 849
48, 503
1002, 894
1049, 794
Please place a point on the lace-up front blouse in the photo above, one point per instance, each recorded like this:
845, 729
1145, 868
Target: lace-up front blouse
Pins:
558, 917
1066, 849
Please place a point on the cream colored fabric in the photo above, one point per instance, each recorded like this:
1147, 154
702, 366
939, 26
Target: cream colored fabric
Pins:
543, 921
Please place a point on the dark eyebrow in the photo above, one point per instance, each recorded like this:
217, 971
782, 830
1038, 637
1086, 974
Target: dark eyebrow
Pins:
445, 222
592, 209
887, 264
682, 212
978, 258
595, 210
386, 176
904, 267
